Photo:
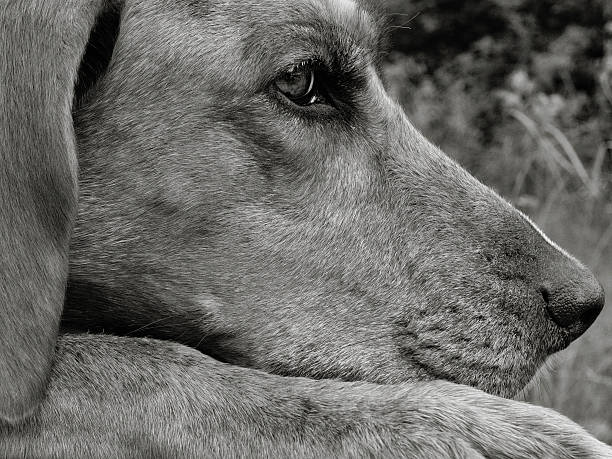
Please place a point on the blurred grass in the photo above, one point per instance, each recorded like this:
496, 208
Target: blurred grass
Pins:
520, 93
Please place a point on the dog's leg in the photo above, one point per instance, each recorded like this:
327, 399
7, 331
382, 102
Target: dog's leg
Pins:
108, 394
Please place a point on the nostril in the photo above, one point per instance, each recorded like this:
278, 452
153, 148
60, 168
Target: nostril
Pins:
596, 305
589, 316
574, 306
545, 294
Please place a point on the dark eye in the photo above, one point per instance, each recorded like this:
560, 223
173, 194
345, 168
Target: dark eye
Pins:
299, 85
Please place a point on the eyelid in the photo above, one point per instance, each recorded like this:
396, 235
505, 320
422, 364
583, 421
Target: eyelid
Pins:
314, 62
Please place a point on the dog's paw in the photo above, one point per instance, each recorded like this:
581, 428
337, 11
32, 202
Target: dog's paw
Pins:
465, 422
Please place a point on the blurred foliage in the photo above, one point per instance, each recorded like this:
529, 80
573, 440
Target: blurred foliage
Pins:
477, 75
520, 93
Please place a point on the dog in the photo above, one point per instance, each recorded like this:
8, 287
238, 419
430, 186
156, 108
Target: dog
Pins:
221, 238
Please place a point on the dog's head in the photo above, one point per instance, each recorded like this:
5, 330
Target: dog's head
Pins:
248, 188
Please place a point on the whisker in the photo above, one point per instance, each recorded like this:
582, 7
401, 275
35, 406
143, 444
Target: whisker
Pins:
149, 325
405, 24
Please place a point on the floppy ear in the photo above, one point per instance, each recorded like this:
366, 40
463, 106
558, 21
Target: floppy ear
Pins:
41, 45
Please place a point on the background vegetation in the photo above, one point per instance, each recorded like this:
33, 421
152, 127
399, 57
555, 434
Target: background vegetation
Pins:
520, 93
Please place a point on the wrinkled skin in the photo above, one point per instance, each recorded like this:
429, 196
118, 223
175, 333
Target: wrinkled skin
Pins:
328, 242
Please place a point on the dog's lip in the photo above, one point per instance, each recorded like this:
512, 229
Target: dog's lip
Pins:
565, 335
563, 338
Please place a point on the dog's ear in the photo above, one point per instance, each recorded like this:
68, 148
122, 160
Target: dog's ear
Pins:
42, 43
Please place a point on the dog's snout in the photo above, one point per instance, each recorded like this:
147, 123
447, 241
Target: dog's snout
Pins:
573, 296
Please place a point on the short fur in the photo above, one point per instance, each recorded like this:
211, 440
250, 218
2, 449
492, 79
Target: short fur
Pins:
263, 280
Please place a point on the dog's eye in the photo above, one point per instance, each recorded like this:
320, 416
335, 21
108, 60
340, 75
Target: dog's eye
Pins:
299, 85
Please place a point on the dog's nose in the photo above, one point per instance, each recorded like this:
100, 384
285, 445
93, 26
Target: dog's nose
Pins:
574, 297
